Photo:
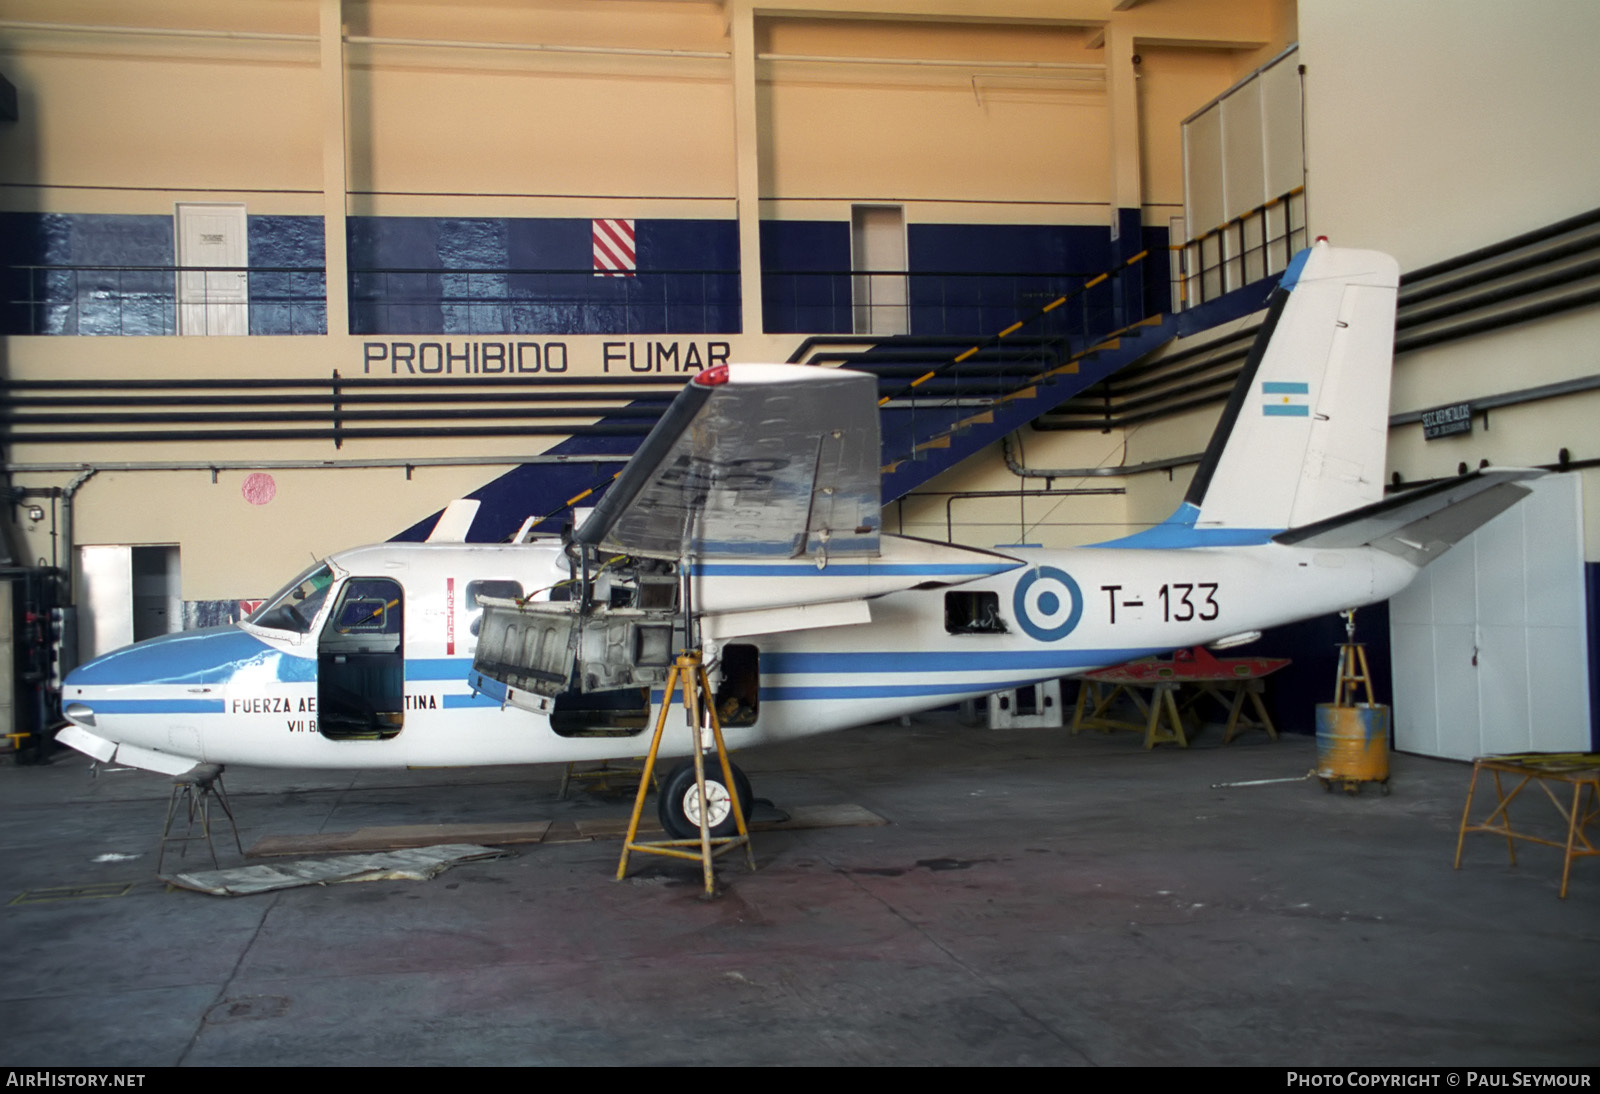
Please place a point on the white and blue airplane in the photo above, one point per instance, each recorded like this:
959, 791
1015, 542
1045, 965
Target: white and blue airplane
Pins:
753, 510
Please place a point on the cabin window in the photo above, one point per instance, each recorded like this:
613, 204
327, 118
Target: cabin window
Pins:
361, 662
973, 613
739, 694
496, 587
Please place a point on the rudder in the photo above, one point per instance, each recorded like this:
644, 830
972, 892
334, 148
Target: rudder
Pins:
1305, 432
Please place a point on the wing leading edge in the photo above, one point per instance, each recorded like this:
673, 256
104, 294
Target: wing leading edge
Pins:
776, 461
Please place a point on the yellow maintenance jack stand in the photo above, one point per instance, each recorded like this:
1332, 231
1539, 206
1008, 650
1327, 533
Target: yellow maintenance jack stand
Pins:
691, 675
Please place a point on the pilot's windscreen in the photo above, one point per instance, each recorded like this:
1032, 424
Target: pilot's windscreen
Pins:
296, 605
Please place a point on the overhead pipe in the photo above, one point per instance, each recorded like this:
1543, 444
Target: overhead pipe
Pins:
1415, 292
1165, 464
8, 420
598, 429
1493, 250
309, 465
357, 39
68, 571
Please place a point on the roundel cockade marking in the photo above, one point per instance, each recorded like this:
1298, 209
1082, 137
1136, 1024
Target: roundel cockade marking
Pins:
1047, 603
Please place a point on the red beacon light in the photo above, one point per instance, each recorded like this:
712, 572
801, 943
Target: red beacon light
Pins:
713, 376
1322, 239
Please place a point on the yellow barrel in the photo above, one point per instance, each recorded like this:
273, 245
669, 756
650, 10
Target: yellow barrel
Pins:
1353, 742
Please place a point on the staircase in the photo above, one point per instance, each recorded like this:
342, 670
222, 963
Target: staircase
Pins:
942, 399
955, 413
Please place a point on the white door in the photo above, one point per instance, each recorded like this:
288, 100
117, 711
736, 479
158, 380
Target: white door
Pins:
125, 595
1490, 643
105, 600
878, 245
212, 300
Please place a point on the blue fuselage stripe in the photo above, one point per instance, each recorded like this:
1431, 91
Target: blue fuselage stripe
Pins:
873, 691
851, 569
452, 702
158, 706
889, 662
438, 668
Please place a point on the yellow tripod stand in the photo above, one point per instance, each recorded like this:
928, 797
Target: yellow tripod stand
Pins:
690, 674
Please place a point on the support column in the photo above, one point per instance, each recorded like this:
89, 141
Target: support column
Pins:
334, 182
1127, 188
747, 145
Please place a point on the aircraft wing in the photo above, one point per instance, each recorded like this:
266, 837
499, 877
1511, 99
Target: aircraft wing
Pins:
776, 461
1420, 524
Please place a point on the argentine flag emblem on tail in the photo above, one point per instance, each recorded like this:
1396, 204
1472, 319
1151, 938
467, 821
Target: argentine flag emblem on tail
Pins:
1282, 399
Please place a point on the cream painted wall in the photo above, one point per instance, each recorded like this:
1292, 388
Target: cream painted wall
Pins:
1174, 83
1437, 126
940, 130
232, 549
163, 114
437, 121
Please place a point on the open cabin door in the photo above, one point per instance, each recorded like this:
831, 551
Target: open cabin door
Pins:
361, 663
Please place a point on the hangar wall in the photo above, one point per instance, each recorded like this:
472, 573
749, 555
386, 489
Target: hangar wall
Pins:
1014, 139
1468, 161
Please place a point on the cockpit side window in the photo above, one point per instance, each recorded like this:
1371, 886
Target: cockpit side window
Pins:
296, 605
369, 606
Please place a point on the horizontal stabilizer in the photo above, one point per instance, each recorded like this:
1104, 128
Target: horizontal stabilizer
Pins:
1421, 524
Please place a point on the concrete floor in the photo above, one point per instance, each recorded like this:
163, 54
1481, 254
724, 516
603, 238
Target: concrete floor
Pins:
1035, 899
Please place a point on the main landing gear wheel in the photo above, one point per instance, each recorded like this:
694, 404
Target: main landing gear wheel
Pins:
679, 802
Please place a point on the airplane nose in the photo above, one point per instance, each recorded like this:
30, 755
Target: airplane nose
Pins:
147, 703
212, 655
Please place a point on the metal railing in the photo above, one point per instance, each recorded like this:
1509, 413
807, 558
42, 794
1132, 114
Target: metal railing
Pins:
130, 300
157, 300
389, 300
932, 303
1257, 243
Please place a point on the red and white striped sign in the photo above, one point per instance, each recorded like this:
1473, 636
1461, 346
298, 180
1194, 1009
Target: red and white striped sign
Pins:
613, 249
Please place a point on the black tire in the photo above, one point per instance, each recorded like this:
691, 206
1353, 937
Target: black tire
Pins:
677, 807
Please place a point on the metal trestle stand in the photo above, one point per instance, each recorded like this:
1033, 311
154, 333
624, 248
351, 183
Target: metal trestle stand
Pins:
192, 792
689, 674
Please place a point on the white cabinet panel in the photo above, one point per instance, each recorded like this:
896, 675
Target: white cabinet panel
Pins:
1490, 644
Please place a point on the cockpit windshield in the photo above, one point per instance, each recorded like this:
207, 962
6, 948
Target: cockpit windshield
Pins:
297, 604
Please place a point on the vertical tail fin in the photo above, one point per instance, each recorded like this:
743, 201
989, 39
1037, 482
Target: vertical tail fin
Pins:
1303, 436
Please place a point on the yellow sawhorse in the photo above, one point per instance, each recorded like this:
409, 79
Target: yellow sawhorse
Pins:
1241, 690
1580, 770
1162, 722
